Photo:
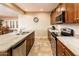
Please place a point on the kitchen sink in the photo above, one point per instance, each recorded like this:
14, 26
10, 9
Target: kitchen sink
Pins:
23, 33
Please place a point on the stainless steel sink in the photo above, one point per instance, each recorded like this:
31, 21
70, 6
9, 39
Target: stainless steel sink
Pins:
23, 33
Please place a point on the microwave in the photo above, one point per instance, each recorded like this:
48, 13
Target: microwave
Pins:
61, 18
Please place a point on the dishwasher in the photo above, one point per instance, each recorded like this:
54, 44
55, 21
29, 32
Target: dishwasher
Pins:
19, 49
54, 43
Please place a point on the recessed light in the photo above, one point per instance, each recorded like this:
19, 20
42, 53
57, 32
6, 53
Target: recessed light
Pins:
41, 9
26, 9
1, 5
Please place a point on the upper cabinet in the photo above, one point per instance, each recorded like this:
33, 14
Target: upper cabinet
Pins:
76, 11
71, 12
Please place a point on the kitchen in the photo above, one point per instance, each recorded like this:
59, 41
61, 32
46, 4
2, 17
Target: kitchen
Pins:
39, 29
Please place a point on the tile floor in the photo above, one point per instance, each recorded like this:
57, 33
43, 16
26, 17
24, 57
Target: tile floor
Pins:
41, 47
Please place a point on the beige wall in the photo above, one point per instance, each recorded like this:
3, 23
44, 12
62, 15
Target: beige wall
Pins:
26, 22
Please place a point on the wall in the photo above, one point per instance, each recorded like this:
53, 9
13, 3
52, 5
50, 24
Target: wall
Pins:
75, 27
26, 22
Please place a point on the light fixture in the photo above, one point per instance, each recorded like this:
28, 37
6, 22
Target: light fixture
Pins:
41, 9
1, 5
63, 9
26, 9
58, 10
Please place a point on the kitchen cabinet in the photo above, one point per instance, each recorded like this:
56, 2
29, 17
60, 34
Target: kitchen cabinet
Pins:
29, 42
62, 50
67, 53
52, 42
56, 12
53, 17
71, 12
6, 53
76, 12
19, 50
24, 47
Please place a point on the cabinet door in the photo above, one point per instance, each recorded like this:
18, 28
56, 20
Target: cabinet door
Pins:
70, 10
67, 53
29, 42
53, 17
6, 53
60, 49
77, 5
28, 45
77, 12
19, 50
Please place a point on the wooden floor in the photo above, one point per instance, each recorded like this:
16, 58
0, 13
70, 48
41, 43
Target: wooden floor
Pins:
41, 47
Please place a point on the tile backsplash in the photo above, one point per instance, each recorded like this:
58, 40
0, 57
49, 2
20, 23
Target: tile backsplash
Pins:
75, 27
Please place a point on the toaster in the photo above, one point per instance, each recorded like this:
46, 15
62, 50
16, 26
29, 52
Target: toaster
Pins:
67, 32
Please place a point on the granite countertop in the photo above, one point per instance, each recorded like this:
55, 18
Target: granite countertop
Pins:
53, 30
71, 43
8, 41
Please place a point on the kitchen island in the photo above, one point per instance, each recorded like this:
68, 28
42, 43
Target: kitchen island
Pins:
13, 44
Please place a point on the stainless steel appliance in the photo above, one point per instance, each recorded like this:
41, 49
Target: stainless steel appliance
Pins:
60, 18
67, 32
54, 42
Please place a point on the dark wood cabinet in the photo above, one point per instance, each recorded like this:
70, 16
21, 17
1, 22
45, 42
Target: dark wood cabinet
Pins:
67, 53
19, 50
52, 41
24, 48
29, 42
71, 12
76, 12
6, 53
62, 50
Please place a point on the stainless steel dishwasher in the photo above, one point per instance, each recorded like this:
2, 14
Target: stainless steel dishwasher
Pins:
19, 49
54, 43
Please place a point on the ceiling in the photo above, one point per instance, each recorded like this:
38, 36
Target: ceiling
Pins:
27, 7
37, 7
7, 11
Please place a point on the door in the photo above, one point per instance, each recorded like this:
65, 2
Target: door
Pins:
53, 45
70, 10
20, 49
60, 49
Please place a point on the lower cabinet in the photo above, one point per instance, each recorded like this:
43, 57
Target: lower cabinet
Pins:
29, 42
67, 53
60, 49
63, 50
6, 53
24, 47
20, 49
52, 41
